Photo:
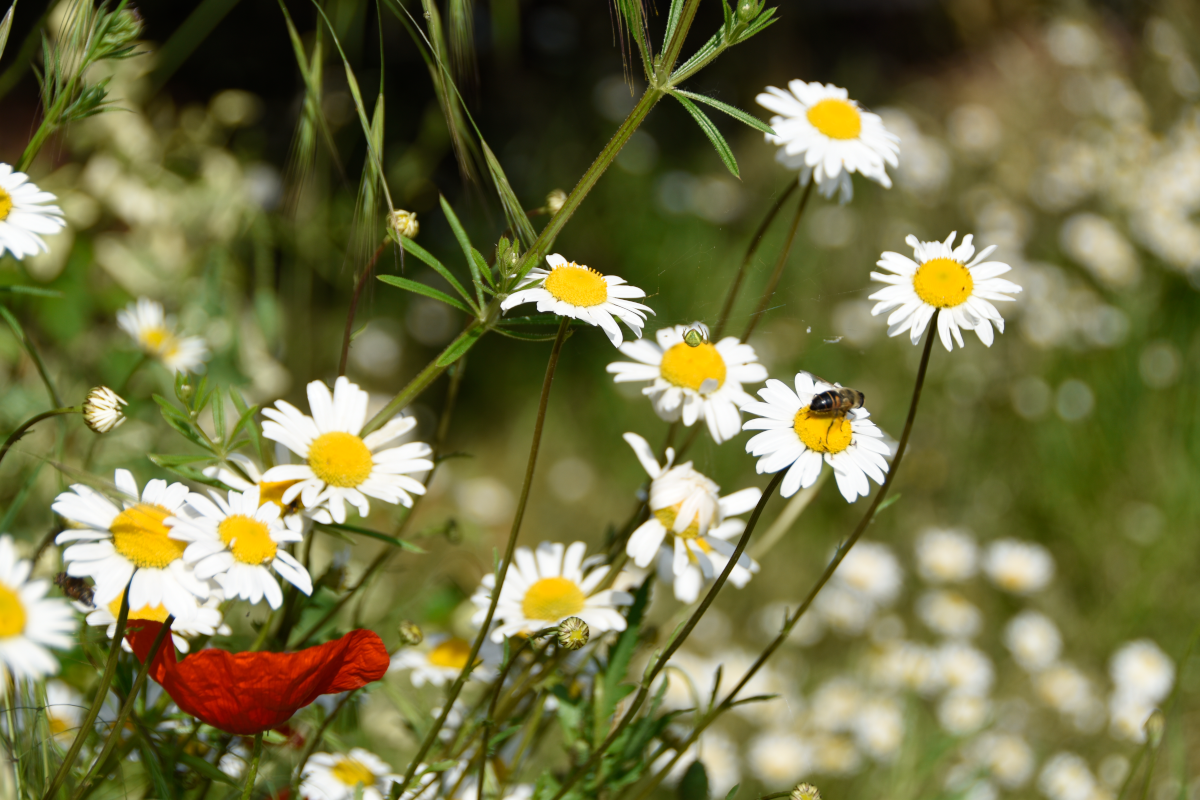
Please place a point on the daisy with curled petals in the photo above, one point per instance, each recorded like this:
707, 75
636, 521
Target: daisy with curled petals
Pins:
340, 465
236, 542
203, 620
687, 507
115, 544
573, 290
24, 215
545, 586
797, 439
250, 477
29, 623
155, 333
694, 382
827, 136
945, 278
359, 773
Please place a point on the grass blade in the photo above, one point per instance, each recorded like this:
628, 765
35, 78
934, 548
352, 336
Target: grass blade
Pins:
462, 40
714, 135
733, 111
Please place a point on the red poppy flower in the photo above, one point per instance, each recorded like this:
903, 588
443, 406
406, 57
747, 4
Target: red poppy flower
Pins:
247, 693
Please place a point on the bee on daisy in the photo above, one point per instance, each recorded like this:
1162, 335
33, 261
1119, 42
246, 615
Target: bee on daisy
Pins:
686, 506
573, 290
30, 624
797, 438
545, 586
828, 136
691, 382
340, 465
359, 773
441, 658
25, 216
238, 542
952, 280
116, 544
154, 332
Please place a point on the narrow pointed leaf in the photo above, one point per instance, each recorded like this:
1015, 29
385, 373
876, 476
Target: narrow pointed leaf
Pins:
733, 111
424, 255
672, 20
465, 244
6, 26
513, 211
714, 135
420, 288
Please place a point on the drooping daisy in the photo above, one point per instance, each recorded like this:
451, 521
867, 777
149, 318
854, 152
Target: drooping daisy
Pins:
340, 465
573, 290
693, 383
251, 477
341, 777
826, 135
29, 623
545, 586
132, 541
793, 436
687, 507
440, 659
236, 542
943, 277
155, 333
203, 620
24, 215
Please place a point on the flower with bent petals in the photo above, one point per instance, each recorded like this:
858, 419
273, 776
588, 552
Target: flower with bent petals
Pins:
251, 477
29, 623
826, 135
236, 542
945, 278
687, 506
116, 544
797, 439
697, 382
341, 465
24, 215
155, 333
572, 290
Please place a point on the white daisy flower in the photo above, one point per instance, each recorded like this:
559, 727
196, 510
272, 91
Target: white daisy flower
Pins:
24, 215
441, 657
687, 506
1007, 756
1066, 777
572, 290
155, 333
693, 383
29, 623
949, 614
943, 277
793, 436
872, 570
237, 543
965, 669
1034, 640
340, 465
1141, 669
132, 541
251, 477
1018, 567
203, 620
947, 556
545, 586
826, 135
359, 773
960, 713
65, 709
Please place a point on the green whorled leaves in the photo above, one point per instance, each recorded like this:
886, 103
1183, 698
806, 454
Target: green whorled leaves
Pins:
422, 289
714, 135
733, 111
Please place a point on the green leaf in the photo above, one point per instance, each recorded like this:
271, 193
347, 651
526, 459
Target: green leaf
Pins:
484, 269
714, 135
420, 288
465, 244
525, 337
36, 291
6, 26
177, 461
218, 414
392, 540
694, 783
246, 419
465, 341
672, 20
424, 255
733, 111
206, 769
733, 792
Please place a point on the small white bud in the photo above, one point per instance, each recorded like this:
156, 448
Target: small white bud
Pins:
555, 201
102, 409
404, 223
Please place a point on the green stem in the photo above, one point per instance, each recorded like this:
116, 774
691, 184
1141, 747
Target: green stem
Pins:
485, 627
769, 289
11, 714
314, 741
252, 773
34, 353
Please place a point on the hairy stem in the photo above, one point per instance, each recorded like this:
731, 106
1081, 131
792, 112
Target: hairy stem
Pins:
769, 289
252, 772
29, 423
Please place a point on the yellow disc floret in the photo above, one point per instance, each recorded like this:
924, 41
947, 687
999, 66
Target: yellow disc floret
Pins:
12, 613
148, 613
824, 434
340, 459
667, 517
273, 491
552, 599
140, 535
352, 773
576, 285
6, 204
690, 367
837, 119
248, 539
451, 654
159, 341
943, 283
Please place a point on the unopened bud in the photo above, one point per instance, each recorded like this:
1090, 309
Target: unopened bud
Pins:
102, 409
1155, 726
411, 634
806, 791
573, 633
404, 223
555, 201
747, 10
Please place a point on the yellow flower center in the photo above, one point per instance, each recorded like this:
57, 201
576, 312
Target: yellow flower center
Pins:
943, 283
12, 613
6, 204
552, 599
822, 433
58, 725
690, 367
248, 539
352, 773
451, 653
272, 492
140, 535
160, 341
837, 119
667, 517
576, 285
340, 459
148, 613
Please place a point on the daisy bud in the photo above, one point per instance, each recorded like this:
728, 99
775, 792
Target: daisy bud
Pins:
102, 409
806, 791
573, 633
1156, 724
555, 201
410, 632
404, 223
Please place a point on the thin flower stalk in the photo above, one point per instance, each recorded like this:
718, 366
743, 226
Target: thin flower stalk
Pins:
16, 435
773, 281
252, 772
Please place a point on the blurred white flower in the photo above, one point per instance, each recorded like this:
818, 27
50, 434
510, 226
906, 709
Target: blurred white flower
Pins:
779, 757
949, 614
24, 215
1018, 567
30, 623
960, 713
65, 708
1094, 242
909, 665
946, 556
1127, 716
1066, 777
872, 570
965, 669
1141, 669
1068, 691
1033, 640
879, 728
1007, 756
836, 705
835, 754
359, 773
441, 657
155, 334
